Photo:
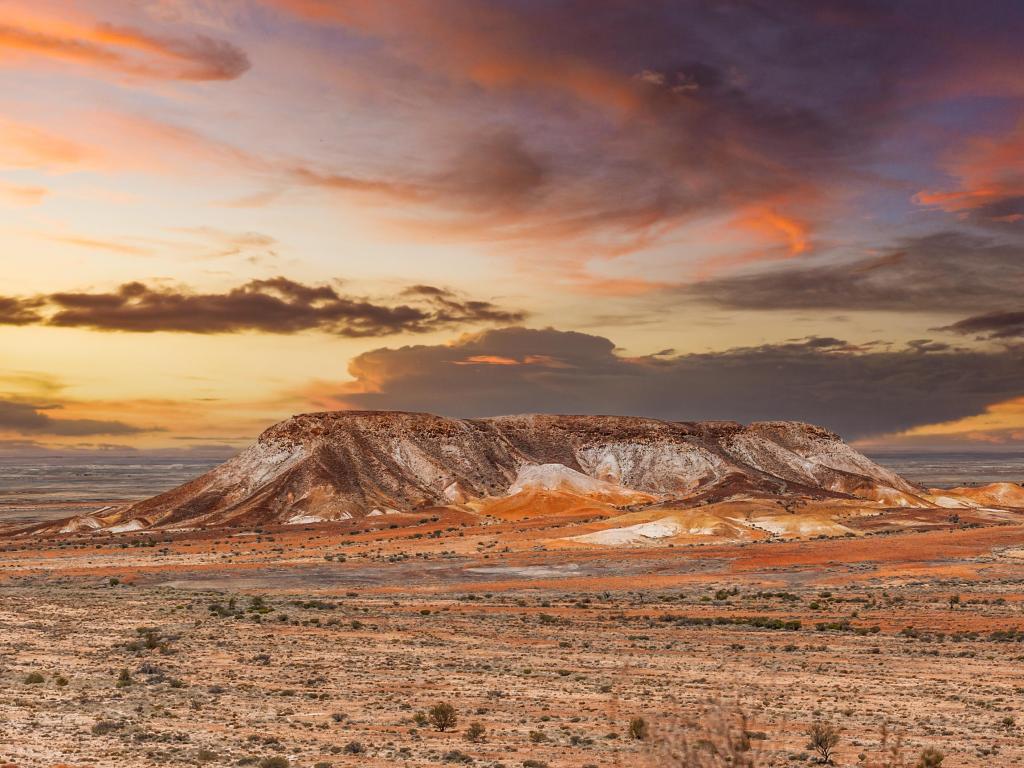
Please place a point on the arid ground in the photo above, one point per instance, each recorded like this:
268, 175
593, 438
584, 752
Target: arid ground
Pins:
327, 645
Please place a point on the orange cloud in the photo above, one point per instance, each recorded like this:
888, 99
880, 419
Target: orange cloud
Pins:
487, 360
21, 194
777, 236
988, 169
775, 226
475, 42
25, 146
104, 245
123, 49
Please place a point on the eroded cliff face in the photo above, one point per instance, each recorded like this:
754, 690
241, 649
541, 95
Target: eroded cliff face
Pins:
337, 465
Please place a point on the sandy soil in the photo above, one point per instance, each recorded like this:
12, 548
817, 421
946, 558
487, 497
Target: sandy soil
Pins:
325, 644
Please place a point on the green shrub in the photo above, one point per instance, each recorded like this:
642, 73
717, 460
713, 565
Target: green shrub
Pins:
443, 716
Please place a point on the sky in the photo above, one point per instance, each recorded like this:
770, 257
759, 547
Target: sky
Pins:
218, 213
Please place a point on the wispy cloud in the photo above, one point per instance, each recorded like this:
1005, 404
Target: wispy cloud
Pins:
123, 49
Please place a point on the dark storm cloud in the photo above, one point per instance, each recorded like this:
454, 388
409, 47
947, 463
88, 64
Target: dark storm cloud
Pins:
992, 325
275, 305
856, 391
935, 273
33, 419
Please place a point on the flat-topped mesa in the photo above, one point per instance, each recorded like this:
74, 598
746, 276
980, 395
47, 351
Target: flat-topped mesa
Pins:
343, 464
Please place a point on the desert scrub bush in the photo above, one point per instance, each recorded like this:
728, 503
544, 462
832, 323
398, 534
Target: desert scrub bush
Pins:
354, 748
457, 756
823, 738
124, 679
930, 758
148, 639
475, 732
638, 729
443, 716
103, 727
277, 761
758, 622
33, 678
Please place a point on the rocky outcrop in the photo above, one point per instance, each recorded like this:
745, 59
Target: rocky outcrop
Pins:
328, 466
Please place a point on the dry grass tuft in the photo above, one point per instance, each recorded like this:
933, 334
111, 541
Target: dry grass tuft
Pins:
715, 737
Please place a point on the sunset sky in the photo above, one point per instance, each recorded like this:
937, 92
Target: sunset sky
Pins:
218, 213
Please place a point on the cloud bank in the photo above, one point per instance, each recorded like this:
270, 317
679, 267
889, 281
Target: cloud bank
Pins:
858, 391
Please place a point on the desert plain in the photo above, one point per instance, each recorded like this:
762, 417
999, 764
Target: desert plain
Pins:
328, 645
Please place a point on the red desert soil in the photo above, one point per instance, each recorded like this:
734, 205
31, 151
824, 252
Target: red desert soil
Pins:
324, 644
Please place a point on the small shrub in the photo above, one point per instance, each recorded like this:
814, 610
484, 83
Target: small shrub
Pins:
103, 727
33, 678
124, 679
443, 716
475, 732
823, 739
638, 729
354, 748
930, 758
277, 761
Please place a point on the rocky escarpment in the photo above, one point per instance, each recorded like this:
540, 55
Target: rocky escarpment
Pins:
329, 466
